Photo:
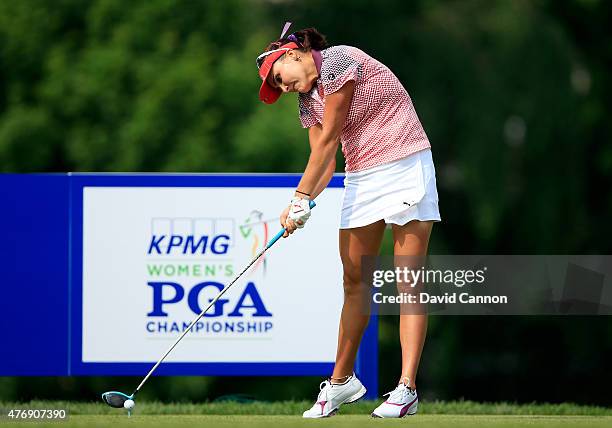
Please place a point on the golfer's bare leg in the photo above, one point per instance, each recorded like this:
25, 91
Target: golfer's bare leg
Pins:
354, 243
412, 239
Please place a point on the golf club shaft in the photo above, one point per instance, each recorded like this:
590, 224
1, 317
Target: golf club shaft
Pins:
212, 303
198, 318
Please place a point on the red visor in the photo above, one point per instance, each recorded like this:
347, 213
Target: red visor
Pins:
267, 93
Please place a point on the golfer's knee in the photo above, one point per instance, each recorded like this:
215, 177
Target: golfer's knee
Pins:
352, 281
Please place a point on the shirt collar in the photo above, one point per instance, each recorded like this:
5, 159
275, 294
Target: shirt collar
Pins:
316, 55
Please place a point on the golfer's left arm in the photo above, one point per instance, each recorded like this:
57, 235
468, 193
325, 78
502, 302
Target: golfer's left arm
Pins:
323, 149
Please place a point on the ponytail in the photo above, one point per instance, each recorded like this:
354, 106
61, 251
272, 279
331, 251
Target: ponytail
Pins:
310, 38
306, 39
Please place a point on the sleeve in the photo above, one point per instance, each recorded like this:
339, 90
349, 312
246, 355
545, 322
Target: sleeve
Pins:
306, 116
339, 69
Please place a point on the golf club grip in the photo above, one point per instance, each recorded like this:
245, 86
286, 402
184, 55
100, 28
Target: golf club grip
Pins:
283, 230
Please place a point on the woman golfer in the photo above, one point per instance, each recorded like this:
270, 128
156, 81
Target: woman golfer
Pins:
347, 97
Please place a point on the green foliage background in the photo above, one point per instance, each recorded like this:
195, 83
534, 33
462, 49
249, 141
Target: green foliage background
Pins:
514, 95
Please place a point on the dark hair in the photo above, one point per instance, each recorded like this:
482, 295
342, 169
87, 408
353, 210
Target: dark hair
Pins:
306, 39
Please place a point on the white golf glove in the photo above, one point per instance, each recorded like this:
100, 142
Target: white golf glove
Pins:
299, 211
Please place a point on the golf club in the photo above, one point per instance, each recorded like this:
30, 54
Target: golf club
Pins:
119, 399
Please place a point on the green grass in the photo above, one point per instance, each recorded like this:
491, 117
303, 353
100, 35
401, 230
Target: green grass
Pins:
340, 421
456, 414
297, 407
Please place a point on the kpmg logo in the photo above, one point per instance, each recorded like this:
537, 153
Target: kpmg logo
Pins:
188, 244
191, 260
193, 236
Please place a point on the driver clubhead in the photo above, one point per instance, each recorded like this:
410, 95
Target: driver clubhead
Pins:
115, 399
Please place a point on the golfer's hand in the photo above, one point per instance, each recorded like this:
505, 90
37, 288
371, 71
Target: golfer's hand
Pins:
299, 211
287, 223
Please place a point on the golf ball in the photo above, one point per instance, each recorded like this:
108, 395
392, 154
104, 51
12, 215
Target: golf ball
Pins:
129, 404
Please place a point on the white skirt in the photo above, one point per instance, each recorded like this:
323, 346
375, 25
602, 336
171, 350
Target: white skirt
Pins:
396, 192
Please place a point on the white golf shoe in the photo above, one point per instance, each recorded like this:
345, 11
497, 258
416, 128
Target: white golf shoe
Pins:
332, 396
402, 401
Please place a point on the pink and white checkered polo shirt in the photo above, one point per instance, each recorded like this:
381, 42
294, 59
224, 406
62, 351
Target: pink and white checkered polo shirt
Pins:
382, 125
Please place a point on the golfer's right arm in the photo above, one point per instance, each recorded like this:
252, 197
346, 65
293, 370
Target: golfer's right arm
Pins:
314, 133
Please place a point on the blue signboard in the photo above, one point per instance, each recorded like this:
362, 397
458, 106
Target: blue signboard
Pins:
42, 257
